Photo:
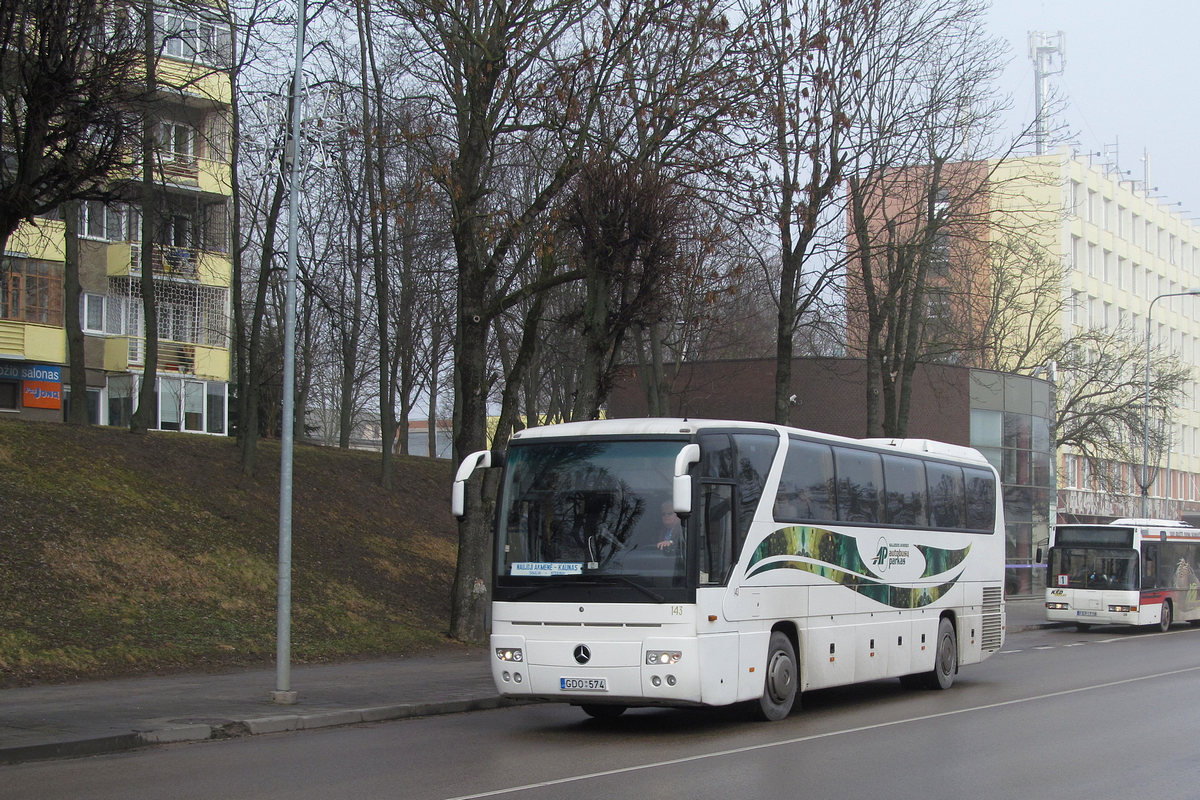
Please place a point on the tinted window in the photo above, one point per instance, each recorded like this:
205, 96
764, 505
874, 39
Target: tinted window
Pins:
717, 456
981, 499
755, 452
806, 486
859, 485
946, 501
906, 501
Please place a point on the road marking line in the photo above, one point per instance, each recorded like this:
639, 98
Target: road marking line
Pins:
813, 737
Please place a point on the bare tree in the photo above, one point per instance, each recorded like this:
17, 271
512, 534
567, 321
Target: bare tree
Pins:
507, 80
809, 56
1101, 408
918, 188
69, 120
1015, 324
623, 226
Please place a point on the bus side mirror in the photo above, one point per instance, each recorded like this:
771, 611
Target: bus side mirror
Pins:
1038, 557
681, 487
458, 492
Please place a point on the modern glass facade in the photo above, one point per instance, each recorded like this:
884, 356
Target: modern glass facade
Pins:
1011, 424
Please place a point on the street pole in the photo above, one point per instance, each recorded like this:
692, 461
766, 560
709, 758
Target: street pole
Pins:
283, 693
1146, 401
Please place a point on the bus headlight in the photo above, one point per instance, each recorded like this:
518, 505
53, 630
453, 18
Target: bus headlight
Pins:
657, 657
1124, 609
1058, 606
510, 654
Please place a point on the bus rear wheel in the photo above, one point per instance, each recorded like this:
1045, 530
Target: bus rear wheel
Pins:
945, 657
782, 681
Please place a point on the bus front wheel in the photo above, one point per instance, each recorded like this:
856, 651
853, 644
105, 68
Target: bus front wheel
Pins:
781, 683
599, 711
1164, 619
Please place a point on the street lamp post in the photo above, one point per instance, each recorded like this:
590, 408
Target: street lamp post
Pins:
1146, 400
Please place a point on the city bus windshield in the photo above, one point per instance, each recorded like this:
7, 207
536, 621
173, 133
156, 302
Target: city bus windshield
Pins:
1093, 568
587, 512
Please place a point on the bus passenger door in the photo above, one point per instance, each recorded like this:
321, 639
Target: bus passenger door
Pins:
718, 636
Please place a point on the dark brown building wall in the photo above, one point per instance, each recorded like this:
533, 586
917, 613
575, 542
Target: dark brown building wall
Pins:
830, 396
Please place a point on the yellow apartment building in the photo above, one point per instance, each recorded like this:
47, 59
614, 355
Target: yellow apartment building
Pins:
1122, 250
189, 204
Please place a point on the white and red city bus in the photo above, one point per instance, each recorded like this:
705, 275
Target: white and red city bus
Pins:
1128, 572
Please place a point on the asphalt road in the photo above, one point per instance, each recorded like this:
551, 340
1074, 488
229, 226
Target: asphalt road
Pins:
1104, 714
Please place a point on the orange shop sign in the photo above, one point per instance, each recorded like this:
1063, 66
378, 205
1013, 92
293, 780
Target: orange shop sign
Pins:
41, 394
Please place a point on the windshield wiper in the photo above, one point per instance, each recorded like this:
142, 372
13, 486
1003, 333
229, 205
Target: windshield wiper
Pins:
605, 581
653, 595
535, 590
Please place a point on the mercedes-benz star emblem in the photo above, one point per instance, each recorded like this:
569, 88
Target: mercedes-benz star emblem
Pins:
582, 654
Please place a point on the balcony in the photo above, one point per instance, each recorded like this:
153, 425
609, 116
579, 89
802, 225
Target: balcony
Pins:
209, 175
43, 239
177, 263
184, 358
33, 342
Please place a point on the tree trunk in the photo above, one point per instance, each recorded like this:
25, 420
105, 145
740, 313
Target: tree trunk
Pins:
146, 414
75, 349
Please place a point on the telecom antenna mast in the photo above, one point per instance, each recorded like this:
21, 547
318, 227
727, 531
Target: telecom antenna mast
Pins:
1048, 53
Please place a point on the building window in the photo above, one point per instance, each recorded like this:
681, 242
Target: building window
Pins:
120, 400
102, 314
216, 407
31, 291
192, 38
107, 222
177, 142
93, 404
191, 405
10, 392
91, 313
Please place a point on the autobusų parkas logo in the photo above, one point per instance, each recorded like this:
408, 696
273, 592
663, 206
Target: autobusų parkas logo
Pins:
889, 554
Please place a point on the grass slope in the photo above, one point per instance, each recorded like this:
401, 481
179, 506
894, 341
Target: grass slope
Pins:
123, 554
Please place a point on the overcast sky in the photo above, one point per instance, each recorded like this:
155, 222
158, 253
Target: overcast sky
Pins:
1131, 78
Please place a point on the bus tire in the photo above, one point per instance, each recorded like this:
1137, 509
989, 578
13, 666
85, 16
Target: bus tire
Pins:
945, 656
602, 711
1164, 618
782, 680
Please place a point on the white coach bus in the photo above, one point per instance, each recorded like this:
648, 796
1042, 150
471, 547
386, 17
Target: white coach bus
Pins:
674, 562
1128, 572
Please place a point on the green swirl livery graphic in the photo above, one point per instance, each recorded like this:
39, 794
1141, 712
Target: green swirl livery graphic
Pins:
834, 557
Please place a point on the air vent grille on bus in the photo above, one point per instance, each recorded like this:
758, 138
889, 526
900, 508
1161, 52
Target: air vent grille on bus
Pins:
993, 618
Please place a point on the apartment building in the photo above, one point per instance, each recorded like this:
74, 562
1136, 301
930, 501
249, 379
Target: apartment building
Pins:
1130, 256
188, 205
1127, 257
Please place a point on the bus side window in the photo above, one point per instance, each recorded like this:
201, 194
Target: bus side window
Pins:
1149, 566
806, 488
859, 485
947, 495
716, 534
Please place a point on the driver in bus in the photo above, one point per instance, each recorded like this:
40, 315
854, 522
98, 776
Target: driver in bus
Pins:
672, 529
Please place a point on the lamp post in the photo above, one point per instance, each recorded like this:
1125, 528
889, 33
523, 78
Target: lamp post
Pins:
1146, 400
283, 693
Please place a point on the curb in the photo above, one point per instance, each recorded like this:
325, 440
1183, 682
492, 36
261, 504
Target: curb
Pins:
281, 723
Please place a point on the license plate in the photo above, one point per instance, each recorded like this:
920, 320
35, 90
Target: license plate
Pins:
583, 684
1087, 613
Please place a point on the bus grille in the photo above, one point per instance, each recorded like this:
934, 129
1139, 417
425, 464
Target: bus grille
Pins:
993, 618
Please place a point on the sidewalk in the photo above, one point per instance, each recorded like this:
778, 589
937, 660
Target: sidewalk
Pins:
106, 716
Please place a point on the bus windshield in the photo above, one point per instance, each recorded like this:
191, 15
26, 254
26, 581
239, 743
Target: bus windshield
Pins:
1093, 568
574, 513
